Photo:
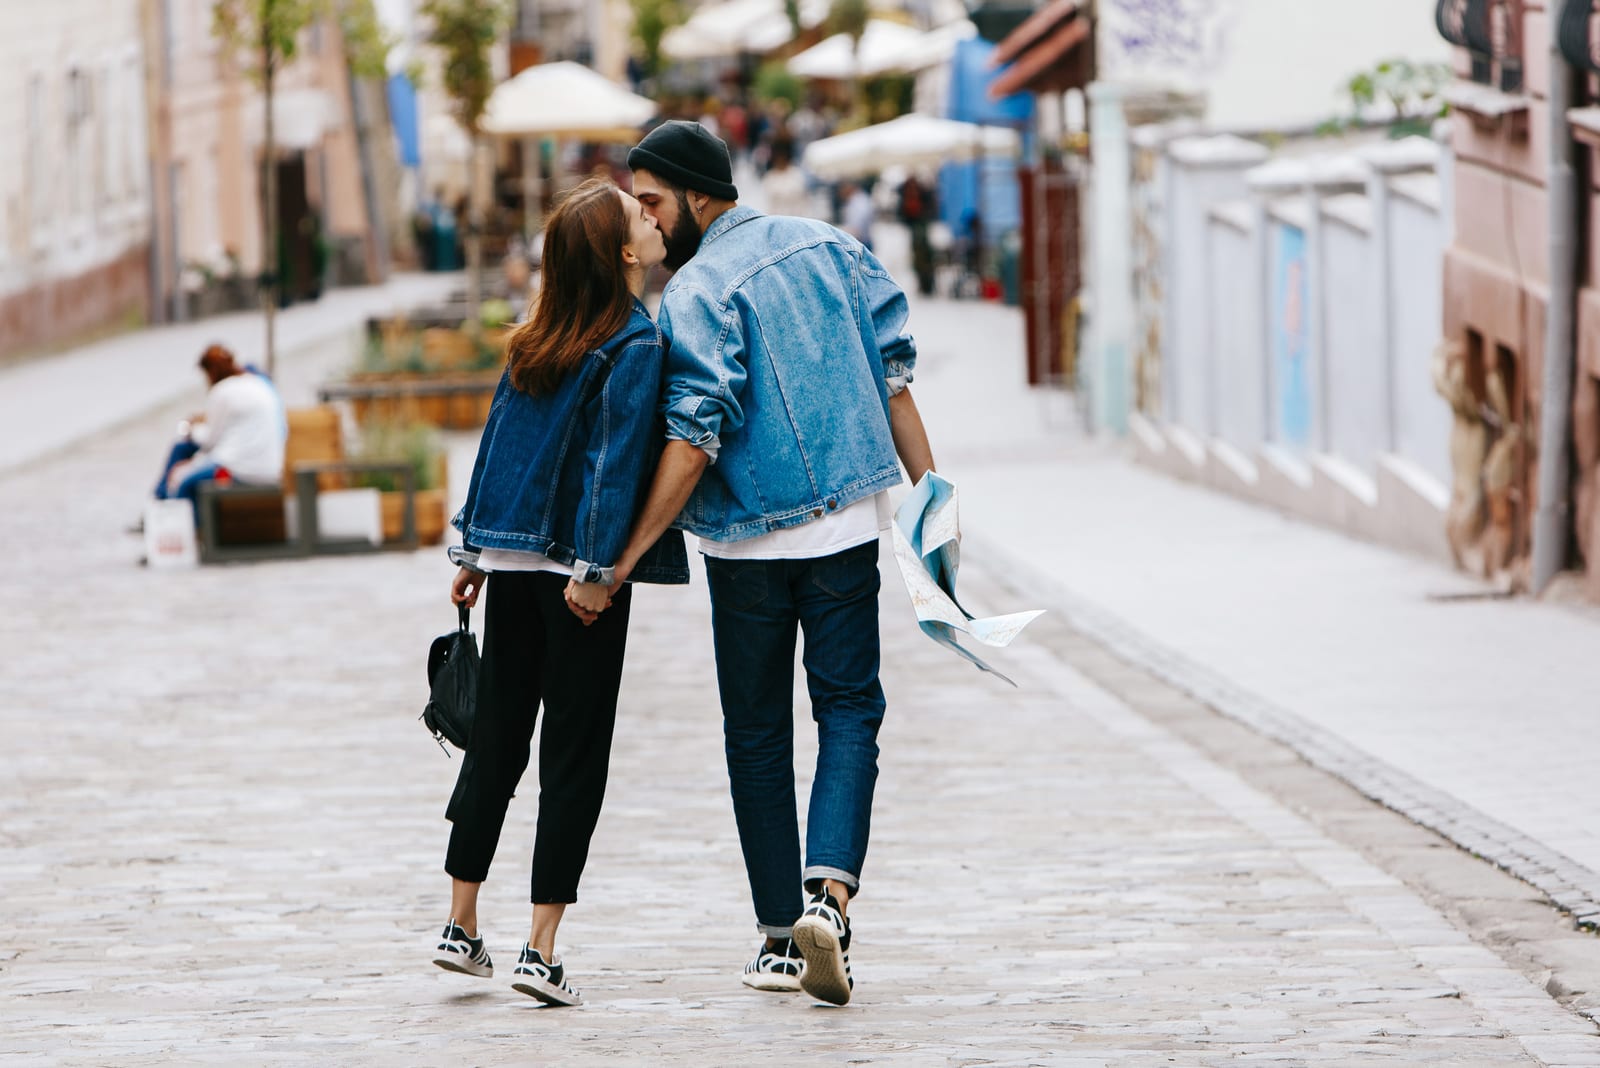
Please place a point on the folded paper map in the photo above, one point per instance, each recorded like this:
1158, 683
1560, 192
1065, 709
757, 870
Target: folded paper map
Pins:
927, 546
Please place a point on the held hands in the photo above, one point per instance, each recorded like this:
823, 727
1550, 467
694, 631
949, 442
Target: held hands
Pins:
588, 599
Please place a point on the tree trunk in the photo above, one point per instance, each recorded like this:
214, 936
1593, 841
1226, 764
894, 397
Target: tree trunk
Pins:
475, 235
269, 221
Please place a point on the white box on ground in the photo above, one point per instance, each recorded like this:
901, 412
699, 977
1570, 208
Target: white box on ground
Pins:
343, 515
169, 534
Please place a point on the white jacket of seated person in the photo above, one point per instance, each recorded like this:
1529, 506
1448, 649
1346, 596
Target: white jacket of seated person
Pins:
243, 429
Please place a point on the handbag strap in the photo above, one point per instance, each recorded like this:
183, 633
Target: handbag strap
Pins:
465, 615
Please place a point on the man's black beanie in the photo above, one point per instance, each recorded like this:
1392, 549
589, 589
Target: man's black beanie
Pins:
687, 154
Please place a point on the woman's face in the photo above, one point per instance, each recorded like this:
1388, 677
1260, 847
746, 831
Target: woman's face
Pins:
644, 238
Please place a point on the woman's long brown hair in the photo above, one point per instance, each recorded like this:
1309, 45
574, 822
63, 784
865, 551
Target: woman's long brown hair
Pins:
583, 295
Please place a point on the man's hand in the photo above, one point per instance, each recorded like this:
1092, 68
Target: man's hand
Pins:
588, 599
466, 586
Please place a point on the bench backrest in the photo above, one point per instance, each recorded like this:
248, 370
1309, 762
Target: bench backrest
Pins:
316, 435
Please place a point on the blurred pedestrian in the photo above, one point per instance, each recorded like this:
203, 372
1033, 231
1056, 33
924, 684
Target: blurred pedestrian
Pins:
784, 184
916, 212
240, 436
568, 451
788, 366
858, 213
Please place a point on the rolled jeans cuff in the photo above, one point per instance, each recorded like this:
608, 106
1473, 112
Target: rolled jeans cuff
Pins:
817, 872
774, 932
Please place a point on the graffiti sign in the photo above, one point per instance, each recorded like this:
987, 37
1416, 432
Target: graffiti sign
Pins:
1181, 36
1291, 337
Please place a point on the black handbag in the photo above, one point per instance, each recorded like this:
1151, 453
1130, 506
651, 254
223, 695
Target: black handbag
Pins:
452, 685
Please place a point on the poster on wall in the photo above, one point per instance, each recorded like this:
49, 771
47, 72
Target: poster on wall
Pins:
1182, 39
1291, 337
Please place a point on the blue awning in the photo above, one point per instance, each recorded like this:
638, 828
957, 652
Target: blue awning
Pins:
403, 114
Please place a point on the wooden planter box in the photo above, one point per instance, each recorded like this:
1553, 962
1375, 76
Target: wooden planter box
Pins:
431, 518
455, 401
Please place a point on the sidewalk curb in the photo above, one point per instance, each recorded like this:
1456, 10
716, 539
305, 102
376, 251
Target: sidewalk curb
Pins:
1571, 887
155, 406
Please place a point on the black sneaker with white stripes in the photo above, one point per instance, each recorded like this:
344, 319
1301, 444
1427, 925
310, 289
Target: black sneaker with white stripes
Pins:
458, 953
822, 935
547, 982
775, 968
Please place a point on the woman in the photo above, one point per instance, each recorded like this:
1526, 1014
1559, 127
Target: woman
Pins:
566, 456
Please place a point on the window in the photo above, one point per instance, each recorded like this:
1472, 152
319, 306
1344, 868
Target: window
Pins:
1491, 32
1577, 34
38, 163
79, 108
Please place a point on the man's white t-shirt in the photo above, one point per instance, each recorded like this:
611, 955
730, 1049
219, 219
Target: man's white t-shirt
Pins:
854, 525
243, 429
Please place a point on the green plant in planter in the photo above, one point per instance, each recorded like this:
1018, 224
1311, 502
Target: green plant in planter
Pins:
389, 355
496, 313
416, 444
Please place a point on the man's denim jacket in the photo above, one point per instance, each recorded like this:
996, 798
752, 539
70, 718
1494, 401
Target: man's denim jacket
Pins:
785, 338
563, 474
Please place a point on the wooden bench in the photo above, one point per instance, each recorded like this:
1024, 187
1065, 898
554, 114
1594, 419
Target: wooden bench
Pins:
240, 522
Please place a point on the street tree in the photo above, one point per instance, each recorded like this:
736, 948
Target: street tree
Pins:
651, 21
850, 17
465, 31
263, 36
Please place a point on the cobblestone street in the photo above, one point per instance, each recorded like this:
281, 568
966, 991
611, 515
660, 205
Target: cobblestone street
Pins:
223, 833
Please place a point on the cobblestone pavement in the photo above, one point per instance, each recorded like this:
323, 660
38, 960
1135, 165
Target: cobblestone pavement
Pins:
221, 839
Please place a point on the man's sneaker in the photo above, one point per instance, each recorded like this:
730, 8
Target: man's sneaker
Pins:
547, 982
777, 968
458, 953
823, 937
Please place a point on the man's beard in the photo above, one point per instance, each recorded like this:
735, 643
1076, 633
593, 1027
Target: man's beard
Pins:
684, 240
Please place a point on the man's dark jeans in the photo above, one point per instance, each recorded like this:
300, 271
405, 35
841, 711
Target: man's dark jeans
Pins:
757, 609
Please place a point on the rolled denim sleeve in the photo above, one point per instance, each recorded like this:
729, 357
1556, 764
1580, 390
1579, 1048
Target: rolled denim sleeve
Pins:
888, 309
705, 370
623, 422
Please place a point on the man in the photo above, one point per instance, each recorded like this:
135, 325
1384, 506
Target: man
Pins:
916, 211
859, 213
787, 405
242, 432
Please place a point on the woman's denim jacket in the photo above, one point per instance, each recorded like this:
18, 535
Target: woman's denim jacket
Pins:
785, 339
563, 474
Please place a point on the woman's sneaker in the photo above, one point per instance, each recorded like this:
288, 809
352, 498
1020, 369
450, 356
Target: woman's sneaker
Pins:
547, 982
458, 953
823, 937
775, 968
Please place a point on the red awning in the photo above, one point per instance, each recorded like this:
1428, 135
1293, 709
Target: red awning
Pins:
1037, 26
1041, 51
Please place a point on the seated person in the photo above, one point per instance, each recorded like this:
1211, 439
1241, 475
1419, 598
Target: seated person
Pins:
241, 436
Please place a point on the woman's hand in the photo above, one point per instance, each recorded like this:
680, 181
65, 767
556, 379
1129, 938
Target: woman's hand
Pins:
466, 586
588, 599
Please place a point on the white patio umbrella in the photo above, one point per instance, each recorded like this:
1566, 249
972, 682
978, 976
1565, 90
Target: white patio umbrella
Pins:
883, 47
730, 27
561, 100
565, 100
910, 141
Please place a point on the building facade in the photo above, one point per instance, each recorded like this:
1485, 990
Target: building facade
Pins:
75, 195
208, 127
1505, 267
